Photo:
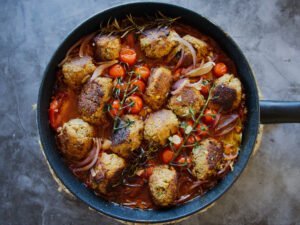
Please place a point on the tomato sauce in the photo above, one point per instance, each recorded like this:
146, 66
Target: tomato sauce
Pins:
135, 193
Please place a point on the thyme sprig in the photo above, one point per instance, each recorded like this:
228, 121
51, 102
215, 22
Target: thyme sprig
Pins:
139, 160
196, 122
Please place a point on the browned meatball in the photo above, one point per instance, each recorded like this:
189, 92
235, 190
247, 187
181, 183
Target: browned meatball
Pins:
92, 99
107, 47
106, 171
75, 139
227, 93
77, 70
163, 185
206, 158
160, 125
129, 135
187, 100
157, 43
158, 87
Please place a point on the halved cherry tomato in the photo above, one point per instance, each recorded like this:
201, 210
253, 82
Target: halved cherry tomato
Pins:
202, 130
220, 69
166, 155
134, 104
116, 108
54, 116
197, 138
205, 88
209, 116
128, 55
147, 172
182, 159
143, 72
191, 140
139, 84
116, 71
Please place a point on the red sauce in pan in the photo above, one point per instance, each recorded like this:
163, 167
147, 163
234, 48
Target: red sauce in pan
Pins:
138, 194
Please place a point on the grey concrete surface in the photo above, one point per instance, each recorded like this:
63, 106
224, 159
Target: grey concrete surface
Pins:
267, 31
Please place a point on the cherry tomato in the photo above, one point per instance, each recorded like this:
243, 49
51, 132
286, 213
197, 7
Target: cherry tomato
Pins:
191, 140
115, 108
220, 69
166, 155
202, 130
135, 104
139, 84
205, 88
128, 55
147, 172
182, 159
197, 138
143, 72
209, 116
116, 71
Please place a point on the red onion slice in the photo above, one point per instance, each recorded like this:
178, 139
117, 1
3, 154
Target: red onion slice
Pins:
97, 141
179, 85
229, 128
87, 159
188, 45
225, 121
198, 85
201, 70
231, 157
180, 61
69, 52
85, 42
99, 70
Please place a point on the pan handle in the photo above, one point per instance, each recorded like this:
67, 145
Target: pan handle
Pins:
279, 112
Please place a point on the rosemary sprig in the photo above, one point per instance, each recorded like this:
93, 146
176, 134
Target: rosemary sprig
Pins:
136, 24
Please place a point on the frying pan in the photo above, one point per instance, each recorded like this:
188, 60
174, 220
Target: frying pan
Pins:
258, 112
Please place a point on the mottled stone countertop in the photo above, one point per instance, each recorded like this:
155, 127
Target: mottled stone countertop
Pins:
267, 31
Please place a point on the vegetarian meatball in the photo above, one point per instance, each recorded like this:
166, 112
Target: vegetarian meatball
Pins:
200, 46
106, 171
160, 125
158, 87
92, 99
227, 93
128, 136
75, 139
107, 47
206, 158
158, 42
77, 70
163, 185
187, 100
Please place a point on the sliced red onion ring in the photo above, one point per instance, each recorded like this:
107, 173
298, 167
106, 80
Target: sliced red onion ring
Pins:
180, 61
229, 128
85, 42
177, 87
99, 70
225, 121
90, 156
69, 52
97, 141
188, 45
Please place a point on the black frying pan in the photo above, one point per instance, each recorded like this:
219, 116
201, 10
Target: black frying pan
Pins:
259, 112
